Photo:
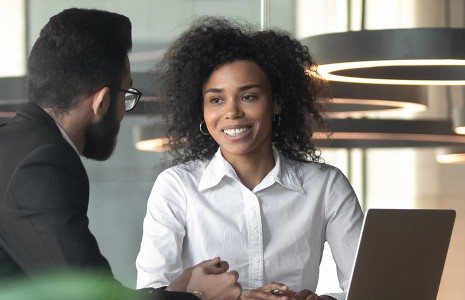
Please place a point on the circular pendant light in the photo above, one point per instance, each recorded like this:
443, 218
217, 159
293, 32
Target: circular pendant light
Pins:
384, 133
458, 120
419, 56
353, 100
451, 155
150, 137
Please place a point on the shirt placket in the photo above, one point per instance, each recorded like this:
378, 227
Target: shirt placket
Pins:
254, 239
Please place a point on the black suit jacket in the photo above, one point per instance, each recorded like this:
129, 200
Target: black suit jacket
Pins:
44, 194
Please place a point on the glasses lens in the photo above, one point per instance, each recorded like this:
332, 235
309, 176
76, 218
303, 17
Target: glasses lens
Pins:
131, 98
130, 101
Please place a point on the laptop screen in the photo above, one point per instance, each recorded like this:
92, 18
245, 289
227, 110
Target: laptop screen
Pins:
401, 254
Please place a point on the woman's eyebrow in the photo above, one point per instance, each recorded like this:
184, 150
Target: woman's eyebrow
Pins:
241, 88
213, 90
249, 86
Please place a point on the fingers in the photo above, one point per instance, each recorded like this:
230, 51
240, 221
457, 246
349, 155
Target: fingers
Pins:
216, 269
235, 274
213, 266
275, 288
223, 265
257, 294
215, 286
261, 295
214, 262
208, 267
209, 262
270, 291
236, 291
305, 295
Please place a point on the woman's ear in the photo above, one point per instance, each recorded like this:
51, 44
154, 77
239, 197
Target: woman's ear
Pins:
100, 103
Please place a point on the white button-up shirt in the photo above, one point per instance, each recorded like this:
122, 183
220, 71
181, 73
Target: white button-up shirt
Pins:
276, 232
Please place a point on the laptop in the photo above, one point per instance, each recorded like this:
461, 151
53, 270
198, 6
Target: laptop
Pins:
401, 254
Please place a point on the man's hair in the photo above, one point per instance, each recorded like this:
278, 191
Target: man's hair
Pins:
78, 51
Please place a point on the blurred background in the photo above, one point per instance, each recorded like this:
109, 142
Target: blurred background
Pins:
387, 137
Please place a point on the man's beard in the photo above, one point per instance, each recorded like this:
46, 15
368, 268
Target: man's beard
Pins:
101, 136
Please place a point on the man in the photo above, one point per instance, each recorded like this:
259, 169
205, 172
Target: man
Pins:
79, 86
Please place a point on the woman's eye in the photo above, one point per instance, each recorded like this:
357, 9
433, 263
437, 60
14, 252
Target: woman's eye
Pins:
215, 100
249, 97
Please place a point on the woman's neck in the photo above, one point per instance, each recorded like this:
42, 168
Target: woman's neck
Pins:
251, 169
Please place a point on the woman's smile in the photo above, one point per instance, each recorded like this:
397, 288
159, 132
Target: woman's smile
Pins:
236, 131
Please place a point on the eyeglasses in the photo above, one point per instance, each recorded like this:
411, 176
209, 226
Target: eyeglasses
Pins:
131, 97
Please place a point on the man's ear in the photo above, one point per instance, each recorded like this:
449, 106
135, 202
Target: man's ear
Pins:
100, 103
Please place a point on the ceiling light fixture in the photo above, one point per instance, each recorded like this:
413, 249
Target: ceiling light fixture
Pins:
351, 100
383, 133
419, 56
458, 119
451, 155
150, 137
356, 100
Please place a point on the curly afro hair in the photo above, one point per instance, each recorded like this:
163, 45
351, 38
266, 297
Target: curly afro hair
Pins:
212, 42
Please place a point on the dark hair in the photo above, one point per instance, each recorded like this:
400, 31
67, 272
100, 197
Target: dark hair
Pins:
212, 42
78, 51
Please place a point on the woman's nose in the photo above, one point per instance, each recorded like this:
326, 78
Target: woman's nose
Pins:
233, 110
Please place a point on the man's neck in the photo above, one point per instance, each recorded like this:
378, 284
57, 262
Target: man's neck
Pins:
73, 124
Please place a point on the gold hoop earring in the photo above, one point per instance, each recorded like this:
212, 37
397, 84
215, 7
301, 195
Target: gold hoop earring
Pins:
201, 130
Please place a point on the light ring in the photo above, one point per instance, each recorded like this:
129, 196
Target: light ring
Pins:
420, 56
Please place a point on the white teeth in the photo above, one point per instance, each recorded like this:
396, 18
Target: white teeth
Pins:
234, 132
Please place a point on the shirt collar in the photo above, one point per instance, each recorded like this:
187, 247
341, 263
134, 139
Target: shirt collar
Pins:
216, 169
285, 172
66, 137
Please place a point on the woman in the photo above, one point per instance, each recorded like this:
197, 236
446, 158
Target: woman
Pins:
248, 183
